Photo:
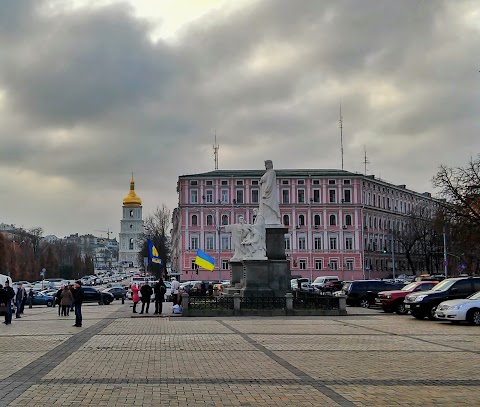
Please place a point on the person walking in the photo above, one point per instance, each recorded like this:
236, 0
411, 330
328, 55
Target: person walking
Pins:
30, 297
66, 301
159, 289
146, 292
4, 298
19, 296
175, 288
10, 296
135, 297
58, 299
70, 287
78, 299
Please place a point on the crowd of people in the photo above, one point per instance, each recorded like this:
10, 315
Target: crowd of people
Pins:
68, 298
145, 293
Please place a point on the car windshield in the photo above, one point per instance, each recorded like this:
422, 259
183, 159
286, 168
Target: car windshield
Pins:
409, 287
346, 286
475, 296
444, 285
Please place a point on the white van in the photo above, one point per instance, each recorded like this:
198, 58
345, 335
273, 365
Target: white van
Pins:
320, 281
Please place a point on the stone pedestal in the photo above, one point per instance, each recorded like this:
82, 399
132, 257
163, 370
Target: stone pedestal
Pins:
236, 274
275, 242
265, 278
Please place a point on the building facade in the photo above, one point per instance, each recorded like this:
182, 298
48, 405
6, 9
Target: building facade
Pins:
339, 223
131, 229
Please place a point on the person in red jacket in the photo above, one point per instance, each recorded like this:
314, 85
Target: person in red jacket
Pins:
135, 297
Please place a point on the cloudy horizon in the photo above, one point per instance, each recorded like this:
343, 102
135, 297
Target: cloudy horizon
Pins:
91, 91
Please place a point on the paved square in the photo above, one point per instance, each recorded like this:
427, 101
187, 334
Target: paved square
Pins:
367, 358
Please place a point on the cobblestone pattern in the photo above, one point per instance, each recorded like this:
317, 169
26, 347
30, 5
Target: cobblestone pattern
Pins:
173, 395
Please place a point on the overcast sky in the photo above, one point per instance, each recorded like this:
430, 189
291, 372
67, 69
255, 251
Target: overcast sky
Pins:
93, 90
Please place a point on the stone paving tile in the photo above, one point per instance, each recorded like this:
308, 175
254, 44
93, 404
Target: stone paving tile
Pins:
14, 361
172, 395
343, 342
318, 327
351, 365
31, 343
466, 342
176, 364
155, 326
188, 342
410, 396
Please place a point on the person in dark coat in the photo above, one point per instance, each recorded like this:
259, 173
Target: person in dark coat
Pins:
19, 297
66, 301
10, 296
146, 292
78, 300
31, 294
4, 299
159, 289
58, 299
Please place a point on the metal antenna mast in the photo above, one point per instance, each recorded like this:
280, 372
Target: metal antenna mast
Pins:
365, 160
341, 133
215, 151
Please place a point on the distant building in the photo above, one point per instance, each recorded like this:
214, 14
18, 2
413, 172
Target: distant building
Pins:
339, 222
131, 228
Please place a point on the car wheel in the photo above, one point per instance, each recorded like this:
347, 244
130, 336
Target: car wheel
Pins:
431, 314
473, 316
364, 303
49, 303
418, 315
401, 310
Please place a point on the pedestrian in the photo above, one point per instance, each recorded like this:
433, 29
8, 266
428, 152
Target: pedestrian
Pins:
58, 298
135, 297
146, 292
4, 298
10, 296
66, 301
210, 289
30, 297
72, 305
19, 296
175, 286
78, 299
159, 289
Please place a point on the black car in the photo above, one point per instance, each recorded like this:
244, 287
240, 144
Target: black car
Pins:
424, 304
117, 292
93, 295
364, 292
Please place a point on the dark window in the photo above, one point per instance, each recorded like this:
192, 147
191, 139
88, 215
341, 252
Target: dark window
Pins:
194, 220
463, 286
301, 220
316, 182
426, 287
254, 195
333, 220
316, 220
285, 196
347, 195
239, 196
301, 196
224, 182
286, 220
239, 182
224, 219
331, 182
316, 195
348, 220
332, 196
209, 220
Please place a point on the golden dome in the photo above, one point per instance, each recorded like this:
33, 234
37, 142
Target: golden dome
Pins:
132, 199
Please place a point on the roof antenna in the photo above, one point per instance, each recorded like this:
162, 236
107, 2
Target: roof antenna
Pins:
365, 160
215, 151
341, 133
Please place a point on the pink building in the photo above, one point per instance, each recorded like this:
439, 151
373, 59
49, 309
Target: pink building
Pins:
339, 222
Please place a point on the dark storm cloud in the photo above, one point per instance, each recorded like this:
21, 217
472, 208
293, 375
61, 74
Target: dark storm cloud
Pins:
86, 96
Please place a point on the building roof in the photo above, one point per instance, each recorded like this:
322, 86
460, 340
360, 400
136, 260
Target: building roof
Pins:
280, 173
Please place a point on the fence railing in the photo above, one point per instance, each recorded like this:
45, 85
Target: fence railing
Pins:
210, 302
263, 303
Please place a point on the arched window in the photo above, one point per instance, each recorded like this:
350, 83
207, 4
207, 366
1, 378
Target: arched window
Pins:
209, 220
131, 213
286, 220
194, 220
316, 220
333, 220
348, 220
301, 220
130, 244
224, 219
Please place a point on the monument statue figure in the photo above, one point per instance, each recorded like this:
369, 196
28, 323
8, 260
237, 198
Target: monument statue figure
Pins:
239, 232
269, 207
253, 247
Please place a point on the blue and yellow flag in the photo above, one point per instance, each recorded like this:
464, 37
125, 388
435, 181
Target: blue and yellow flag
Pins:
153, 253
204, 260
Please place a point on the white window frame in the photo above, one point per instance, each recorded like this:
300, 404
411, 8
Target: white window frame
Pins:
194, 196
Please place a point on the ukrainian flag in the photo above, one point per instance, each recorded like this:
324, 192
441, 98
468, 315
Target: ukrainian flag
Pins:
153, 253
204, 260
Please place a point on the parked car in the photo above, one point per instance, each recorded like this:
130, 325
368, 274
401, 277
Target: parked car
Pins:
294, 282
118, 292
364, 292
457, 311
424, 304
93, 295
391, 301
320, 282
331, 286
42, 299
